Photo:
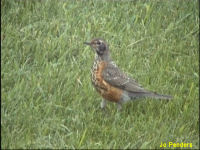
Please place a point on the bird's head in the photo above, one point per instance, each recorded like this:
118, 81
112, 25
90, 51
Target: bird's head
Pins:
99, 46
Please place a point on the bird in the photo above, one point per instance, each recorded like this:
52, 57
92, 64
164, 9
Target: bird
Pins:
111, 82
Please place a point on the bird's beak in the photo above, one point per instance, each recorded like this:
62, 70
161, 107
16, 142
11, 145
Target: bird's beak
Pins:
87, 43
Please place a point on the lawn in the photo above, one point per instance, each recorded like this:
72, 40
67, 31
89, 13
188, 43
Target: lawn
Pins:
47, 99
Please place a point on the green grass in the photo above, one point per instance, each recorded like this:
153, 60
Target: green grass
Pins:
47, 98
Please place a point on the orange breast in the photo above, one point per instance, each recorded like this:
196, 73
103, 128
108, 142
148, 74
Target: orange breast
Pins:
105, 89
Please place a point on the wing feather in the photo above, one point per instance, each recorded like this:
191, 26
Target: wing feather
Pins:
115, 77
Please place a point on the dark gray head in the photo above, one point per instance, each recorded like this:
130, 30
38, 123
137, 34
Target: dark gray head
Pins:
100, 47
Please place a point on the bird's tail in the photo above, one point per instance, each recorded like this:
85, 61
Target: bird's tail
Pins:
149, 94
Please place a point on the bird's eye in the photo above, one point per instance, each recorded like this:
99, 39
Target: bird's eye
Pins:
98, 43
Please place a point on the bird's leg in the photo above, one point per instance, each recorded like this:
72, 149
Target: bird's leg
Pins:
103, 103
119, 106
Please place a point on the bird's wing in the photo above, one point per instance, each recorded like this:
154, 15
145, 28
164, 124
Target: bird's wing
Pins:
115, 77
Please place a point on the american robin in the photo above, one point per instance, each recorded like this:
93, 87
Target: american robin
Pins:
111, 82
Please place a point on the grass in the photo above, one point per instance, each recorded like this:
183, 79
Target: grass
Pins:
48, 100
